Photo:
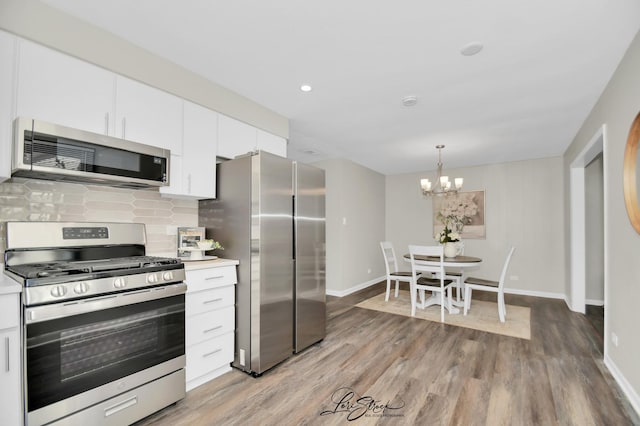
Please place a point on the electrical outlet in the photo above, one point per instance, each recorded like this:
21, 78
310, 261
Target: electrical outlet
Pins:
514, 278
614, 339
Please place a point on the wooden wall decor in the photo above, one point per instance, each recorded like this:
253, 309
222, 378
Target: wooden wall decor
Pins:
631, 174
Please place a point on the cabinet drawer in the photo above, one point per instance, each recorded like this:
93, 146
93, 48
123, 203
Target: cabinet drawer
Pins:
210, 324
209, 300
9, 310
209, 355
203, 279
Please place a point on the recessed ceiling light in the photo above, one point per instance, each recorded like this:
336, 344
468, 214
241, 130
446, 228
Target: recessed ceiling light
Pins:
410, 100
305, 88
471, 49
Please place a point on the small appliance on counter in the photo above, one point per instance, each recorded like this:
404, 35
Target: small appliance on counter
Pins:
189, 241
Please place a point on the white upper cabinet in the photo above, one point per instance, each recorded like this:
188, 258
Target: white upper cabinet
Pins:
63, 90
237, 138
7, 67
44, 84
200, 150
193, 174
271, 143
234, 137
148, 115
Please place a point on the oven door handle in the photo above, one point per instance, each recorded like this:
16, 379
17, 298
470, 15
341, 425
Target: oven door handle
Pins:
59, 310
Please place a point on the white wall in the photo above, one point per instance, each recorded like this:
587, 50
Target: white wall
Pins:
355, 207
524, 207
594, 232
45, 25
617, 108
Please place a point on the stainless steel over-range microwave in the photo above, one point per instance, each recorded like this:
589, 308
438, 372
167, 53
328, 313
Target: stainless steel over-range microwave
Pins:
50, 151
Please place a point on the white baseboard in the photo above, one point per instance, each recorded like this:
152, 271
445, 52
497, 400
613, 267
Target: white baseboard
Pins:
546, 294
594, 302
342, 293
626, 387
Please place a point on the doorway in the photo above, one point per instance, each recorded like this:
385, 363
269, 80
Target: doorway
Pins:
587, 217
594, 238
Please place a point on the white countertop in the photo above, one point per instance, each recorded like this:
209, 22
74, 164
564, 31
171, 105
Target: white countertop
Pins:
190, 265
8, 285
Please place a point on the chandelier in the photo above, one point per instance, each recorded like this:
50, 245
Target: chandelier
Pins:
442, 185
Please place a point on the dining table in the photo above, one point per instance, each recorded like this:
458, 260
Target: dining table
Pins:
463, 263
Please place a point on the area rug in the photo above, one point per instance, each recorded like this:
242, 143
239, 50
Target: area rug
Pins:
482, 315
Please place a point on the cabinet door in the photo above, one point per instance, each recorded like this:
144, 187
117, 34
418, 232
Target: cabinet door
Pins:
7, 67
148, 115
234, 137
10, 403
175, 178
199, 150
271, 143
193, 174
63, 90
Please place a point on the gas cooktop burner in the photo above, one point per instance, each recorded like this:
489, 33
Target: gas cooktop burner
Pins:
56, 262
56, 269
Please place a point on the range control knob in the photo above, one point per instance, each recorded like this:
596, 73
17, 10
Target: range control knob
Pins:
120, 282
152, 278
81, 288
58, 291
167, 276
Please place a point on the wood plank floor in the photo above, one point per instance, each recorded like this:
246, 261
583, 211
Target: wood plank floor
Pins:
426, 373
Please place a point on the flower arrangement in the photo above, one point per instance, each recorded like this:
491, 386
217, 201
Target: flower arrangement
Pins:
210, 245
448, 236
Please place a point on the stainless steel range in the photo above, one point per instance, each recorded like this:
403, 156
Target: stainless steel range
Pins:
103, 324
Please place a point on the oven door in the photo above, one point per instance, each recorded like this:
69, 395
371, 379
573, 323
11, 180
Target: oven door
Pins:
80, 353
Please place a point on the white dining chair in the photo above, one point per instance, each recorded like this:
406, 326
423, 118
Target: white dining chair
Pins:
391, 265
437, 286
473, 283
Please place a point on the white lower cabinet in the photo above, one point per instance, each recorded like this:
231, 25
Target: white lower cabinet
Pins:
210, 323
11, 401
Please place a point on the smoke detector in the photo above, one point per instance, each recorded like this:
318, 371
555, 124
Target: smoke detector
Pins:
410, 100
471, 49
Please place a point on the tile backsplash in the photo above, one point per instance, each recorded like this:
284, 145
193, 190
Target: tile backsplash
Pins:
42, 200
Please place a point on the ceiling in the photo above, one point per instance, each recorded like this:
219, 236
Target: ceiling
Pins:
542, 68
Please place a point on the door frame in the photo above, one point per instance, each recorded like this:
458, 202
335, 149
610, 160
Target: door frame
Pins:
577, 219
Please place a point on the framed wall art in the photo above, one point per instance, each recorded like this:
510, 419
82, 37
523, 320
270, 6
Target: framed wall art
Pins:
463, 212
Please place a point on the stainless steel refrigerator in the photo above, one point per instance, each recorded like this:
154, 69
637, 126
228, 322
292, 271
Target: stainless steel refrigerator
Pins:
270, 215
